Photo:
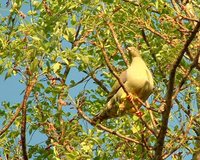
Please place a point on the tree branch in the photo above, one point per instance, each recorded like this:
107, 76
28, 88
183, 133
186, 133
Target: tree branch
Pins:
182, 141
117, 43
99, 82
29, 88
101, 127
195, 62
163, 36
111, 69
176, 6
152, 54
11, 121
166, 113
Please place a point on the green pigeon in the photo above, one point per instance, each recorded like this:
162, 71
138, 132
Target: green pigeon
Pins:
138, 81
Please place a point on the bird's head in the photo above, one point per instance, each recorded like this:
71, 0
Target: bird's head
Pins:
133, 51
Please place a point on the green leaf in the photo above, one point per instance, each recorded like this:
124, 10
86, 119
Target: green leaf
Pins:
73, 21
69, 34
8, 74
56, 67
35, 38
157, 4
136, 128
34, 65
109, 1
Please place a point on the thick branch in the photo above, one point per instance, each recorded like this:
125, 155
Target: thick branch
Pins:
4, 129
29, 88
165, 116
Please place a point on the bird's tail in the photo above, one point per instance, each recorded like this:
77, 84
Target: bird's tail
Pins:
110, 111
100, 117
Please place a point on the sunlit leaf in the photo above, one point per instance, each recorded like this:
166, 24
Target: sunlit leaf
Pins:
56, 67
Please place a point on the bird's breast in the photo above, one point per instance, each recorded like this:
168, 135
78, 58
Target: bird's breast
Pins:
139, 78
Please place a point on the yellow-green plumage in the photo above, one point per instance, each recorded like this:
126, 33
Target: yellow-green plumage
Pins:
138, 81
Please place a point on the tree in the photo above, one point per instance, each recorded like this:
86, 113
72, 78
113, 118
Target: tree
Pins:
61, 51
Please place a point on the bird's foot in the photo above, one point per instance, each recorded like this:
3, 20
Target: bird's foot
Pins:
139, 113
131, 97
134, 99
121, 106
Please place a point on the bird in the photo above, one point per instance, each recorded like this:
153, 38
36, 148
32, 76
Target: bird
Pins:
138, 81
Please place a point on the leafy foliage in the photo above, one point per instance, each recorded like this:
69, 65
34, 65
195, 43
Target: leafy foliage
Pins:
61, 42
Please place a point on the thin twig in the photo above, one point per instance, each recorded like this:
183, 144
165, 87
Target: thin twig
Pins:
195, 61
182, 141
152, 54
152, 117
5, 128
79, 82
117, 43
99, 82
111, 69
189, 18
187, 112
176, 6
93, 76
165, 37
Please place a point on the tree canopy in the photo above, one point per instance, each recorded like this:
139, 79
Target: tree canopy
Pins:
68, 54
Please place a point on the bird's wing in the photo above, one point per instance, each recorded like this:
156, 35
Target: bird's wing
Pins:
117, 86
